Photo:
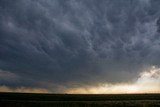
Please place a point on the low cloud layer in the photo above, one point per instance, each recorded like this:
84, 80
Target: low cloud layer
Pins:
23, 90
59, 44
147, 82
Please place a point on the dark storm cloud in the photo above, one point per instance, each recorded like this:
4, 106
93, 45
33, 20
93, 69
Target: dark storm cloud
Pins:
59, 42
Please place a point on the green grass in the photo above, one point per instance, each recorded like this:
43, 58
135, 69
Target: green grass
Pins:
79, 100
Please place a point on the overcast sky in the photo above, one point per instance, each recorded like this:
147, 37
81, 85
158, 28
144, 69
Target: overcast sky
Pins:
61, 44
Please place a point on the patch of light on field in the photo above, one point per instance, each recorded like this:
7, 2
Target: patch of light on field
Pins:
147, 82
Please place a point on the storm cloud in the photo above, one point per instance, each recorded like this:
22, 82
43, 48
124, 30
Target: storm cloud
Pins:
55, 44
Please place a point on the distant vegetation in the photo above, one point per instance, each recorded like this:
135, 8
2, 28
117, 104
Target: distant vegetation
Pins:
79, 100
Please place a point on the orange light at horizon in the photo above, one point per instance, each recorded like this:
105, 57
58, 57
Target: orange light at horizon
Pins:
148, 82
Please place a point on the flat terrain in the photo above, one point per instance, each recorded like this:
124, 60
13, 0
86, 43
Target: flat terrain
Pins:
79, 100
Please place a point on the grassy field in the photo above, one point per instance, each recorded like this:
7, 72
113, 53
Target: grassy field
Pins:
79, 100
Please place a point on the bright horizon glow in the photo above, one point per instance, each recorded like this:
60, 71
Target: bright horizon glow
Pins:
148, 82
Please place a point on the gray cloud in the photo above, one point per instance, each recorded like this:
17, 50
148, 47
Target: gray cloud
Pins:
80, 42
7, 76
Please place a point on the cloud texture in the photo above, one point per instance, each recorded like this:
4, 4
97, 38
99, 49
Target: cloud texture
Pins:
58, 44
147, 82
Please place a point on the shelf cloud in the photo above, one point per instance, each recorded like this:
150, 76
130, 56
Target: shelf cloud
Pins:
59, 45
147, 82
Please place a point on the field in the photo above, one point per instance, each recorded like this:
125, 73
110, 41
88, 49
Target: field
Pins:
79, 100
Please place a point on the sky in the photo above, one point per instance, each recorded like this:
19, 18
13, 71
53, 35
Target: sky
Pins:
80, 46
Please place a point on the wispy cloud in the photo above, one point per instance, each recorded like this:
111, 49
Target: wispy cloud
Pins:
23, 89
8, 76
